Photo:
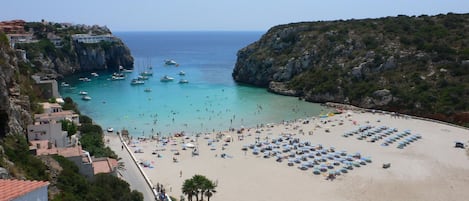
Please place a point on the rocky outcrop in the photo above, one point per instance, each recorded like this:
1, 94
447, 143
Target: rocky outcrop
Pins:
411, 65
103, 56
14, 106
84, 58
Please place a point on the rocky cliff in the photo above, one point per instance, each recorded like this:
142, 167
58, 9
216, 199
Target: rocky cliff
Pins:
58, 52
416, 65
14, 104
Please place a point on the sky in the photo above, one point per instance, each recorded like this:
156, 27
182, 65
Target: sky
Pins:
202, 15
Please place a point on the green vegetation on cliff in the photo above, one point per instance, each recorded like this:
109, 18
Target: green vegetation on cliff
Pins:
414, 65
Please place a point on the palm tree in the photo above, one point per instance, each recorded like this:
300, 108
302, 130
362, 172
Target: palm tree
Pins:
199, 181
209, 187
189, 188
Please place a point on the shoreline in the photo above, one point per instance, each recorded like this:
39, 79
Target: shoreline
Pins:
242, 167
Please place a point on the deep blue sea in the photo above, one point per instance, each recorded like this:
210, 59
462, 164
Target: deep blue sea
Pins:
210, 101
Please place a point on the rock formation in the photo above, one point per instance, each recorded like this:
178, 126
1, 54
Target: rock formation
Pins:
414, 65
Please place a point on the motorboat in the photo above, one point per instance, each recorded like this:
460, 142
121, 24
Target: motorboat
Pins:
127, 70
182, 73
110, 129
94, 74
137, 82
183, 81
170, 62
146, 73
86, 98
84, 79
141, 77
166, 79
147, 90
118, 76
64, 84
84, 93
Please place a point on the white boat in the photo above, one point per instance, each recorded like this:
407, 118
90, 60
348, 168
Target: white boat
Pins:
137, 82
86, 98
110, 129
94, 74
182, 73
127, 70
183, 81
118, 76
166, 79
84, 79
146, 73
170, 62
141, 77
83, 93
64, 84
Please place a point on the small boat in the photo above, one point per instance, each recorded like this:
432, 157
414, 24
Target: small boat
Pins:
127, 70
147, 90
166, 79
146, 73
183, 81
182, 73
84, 79
118, 76
94, 74
86, 98
137, 82
170, 62
141, 77
110, 129
83, 93
64, 84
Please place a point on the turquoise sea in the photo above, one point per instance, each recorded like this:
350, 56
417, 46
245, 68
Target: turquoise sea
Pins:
210, 101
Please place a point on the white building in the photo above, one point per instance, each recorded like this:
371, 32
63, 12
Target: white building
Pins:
87, 38
48, 125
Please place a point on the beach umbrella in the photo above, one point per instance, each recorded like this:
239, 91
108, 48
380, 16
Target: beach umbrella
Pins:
189, 145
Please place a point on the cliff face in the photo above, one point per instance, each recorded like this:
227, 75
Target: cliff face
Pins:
103, 56
415, 65
81, 57
14, 106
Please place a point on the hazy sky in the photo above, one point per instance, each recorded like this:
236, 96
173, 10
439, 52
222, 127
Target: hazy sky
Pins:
259, 15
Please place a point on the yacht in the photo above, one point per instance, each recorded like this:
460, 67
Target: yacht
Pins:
86, 98
118, 76
127, 70
137, 82
84, 79
182, 73
183, 81
142, 77
83, 93
166, 79
170, 62
146, 73
94, 74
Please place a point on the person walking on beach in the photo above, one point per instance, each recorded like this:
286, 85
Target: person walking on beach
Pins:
180, 173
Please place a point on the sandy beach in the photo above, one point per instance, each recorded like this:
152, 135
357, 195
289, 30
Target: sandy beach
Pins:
427, 168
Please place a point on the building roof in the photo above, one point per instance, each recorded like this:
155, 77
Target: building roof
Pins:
11, 189
104, 165
42, 148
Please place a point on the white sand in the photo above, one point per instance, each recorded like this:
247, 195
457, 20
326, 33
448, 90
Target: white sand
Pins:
428, 169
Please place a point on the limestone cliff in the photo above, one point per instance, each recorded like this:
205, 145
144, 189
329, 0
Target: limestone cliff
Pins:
14, 105
415, 65
59, 50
